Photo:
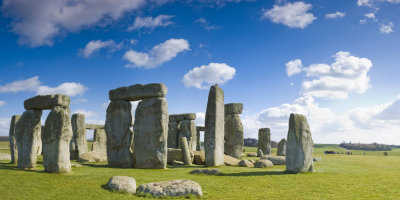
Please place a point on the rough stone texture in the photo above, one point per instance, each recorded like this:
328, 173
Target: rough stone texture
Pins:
214, 124
206, 171
151, 129
231, 161
122, 184
233, 108
187, 128
78, 143
199, 158
251, 154
138, 92
198, 143
27, 130
119, 134
12, 138
245, 163
281, 148
175, 188
252, 161
100, 140
200, 128
259, 153
264, 140
182, 117
277, 160
93, 156
46, 102
317, 159
263, 164
173, 133
5, 156
299, 146
185, 151
233, 134
94, 126
174, 154
56, 140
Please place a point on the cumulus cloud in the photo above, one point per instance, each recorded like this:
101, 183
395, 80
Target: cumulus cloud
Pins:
158, 55
370, 2
206, 75
70, 89
2, 103
206, 25
4, 126
370, 15
293, 67
200, 118
150, 22
335, 15
88, 113
96, 45
293, 15
386, 28
27, 85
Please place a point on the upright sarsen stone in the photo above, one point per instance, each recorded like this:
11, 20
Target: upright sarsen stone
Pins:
173, 134
233, 130
187, 128
27, 131
119, 134
281, 148
299, 146
264, 140
214, 125
78, 141
12, 138
151, 129
56, 140
99, 140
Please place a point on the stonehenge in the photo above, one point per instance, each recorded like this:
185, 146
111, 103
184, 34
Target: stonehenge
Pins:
299, 146
214, 124
182, 125
185, 151
281, 148
12, 138
99, 137
78, 144
198, 143
264, 140
233, 130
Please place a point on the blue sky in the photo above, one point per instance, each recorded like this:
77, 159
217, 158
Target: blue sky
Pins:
334, 61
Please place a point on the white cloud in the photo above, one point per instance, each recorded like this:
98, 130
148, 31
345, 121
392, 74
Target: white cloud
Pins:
200, 118
363, 21
206, 75
2, 103
370, 2
27, 85
293, 67
335, 15
88, 114
150, 22
370, 15
386, 28
293, 15
96, 45
206, 25
39, 22
158, 55
4, 126
70, 89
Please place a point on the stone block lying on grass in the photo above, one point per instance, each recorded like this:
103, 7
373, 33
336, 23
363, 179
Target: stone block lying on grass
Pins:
122, 184
93, 156
174, 188
263, 164
231, 161
245, 163
276, 160
251, 154
206, 171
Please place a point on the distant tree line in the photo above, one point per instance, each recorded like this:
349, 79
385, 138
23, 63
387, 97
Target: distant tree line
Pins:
251, 142
366, 147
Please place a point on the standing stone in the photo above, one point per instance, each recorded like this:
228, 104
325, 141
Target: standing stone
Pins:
12, 138
119, 134
151, 129
264, 140
198, 144
187, 128
299, 146
56, 140
185, 151
173, 133
79, 141
99, 140
39, 142
214, 124
233, 130
281, 148
27, 130
260, 153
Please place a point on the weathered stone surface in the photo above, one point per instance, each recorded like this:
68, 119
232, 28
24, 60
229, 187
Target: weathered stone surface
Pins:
187, 128
233, 135
151, 129
199, 158
281, 148
5, 156
100, 140
206, 171
200, 128
78, 144
233, 108
12, 138
264, 140
198, 143
185, 151
174, 154
299, 146
138, 92
259, 153
94, 126
251, 154
263, 164
56, 141
46, 102
231, 161
175, 162
182, 117
119, 134
252, 161
277, 160
93, 156
27, 131
175, 188
317, 159
173, 134
245, 163
122, 184
215, 127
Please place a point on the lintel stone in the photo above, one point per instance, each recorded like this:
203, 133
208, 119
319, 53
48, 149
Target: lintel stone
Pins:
233, 108
94, 126
200, 128
181, 117
138, 92
46, 102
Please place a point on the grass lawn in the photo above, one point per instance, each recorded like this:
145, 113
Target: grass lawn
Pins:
373, 176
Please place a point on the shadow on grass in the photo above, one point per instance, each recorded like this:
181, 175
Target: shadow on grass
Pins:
185, 166
97, 165
4, 166
262, 173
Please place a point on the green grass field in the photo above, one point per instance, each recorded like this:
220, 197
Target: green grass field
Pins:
373, 176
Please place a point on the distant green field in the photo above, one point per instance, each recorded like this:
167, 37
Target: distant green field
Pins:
373, 176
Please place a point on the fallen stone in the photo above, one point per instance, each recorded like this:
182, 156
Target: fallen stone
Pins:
76, 165
264, 140
317, 159
206, 171
233, 108
251, 154
185, 151
263, 164
122, 184
199, 158
231, 161
94, 126
46, 102
138, 92
12, 138
182, 117
93, 157
175, 188
175, 162
5, 156
245, 163
281, 148
252, 161
277, 160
